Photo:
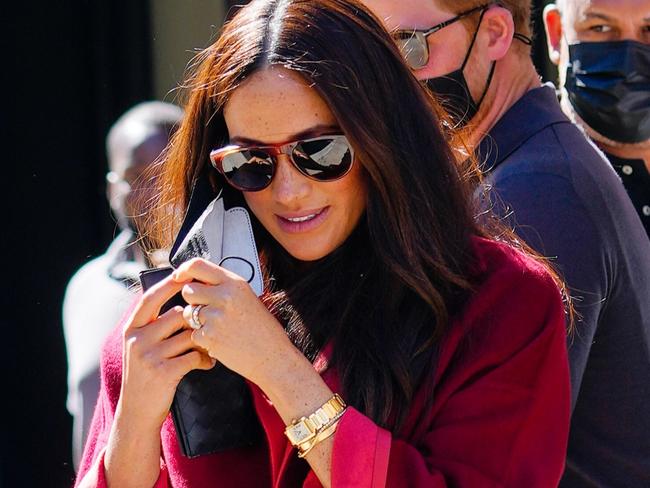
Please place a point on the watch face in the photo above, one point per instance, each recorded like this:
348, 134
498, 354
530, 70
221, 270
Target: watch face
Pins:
300, 431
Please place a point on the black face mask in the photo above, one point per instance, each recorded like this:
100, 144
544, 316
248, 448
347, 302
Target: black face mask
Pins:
453, 91
609, 88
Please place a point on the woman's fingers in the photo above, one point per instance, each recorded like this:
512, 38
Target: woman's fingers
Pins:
185, 363
152, 300
201, 270
196, 293
160, 329
203, 340
168, 324
177, 345
169, 335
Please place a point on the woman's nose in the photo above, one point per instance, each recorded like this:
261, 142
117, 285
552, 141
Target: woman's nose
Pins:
289, 186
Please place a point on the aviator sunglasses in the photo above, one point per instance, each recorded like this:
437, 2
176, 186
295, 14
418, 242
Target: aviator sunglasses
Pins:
413, 44
251, 168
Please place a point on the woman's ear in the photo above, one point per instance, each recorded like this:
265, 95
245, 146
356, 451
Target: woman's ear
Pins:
553, 27
500, 29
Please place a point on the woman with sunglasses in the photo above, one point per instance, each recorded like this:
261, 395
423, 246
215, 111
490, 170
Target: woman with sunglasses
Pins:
397, 342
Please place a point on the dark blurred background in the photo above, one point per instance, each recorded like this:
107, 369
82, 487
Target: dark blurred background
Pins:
74, 68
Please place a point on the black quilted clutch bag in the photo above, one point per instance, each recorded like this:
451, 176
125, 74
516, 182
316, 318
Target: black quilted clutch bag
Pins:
212, 410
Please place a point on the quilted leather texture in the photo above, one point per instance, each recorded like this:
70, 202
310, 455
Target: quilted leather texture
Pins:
213, 411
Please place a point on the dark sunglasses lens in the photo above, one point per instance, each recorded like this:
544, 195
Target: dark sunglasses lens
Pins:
248, 170
414, 49
324, 159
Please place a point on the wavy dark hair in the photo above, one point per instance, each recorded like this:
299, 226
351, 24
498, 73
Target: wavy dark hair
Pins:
386, 296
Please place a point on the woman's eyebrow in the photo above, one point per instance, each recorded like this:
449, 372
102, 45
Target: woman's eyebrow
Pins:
311, 132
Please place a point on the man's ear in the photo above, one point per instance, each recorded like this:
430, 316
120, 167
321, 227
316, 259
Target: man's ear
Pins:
553, 27
500, 29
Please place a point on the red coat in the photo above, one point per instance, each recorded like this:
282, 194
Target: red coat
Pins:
500, 415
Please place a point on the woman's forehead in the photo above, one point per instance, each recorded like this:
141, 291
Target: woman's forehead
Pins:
273, 104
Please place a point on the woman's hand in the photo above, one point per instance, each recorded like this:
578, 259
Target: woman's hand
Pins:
237, 328
158, 352
240, 332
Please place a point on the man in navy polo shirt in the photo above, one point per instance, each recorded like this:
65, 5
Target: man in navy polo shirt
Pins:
560, 194
602, 48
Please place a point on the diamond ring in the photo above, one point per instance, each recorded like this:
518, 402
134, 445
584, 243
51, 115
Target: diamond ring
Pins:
194, 321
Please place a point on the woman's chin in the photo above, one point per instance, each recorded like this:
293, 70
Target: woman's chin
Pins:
302, 254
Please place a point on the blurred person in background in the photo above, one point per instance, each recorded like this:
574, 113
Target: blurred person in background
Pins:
602, 49
560, 194
99, 293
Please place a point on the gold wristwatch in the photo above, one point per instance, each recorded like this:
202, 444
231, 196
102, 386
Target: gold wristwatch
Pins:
306, 428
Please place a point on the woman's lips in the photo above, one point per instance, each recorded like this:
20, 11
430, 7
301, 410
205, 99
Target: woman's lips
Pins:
302, 222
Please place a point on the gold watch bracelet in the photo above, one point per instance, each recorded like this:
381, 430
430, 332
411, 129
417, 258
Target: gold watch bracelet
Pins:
306, 432
327, 431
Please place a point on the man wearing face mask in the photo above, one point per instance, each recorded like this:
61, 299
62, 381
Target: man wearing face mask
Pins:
560, 194
102, 289
602, 48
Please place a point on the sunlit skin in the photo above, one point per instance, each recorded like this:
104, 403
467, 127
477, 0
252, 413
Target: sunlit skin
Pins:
514, 72
274, 106
572, 21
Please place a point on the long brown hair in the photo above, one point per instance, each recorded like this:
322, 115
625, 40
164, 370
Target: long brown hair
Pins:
385, 297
